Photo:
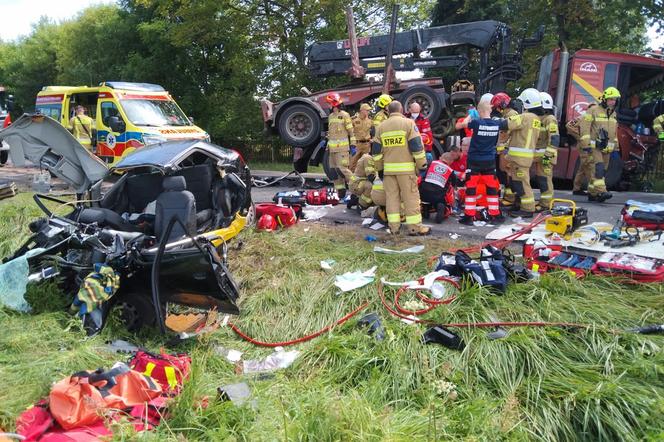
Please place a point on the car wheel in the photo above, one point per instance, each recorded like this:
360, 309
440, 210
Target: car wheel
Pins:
299, 125
4, 156
614, 173
136, 311
426, 97
330, 172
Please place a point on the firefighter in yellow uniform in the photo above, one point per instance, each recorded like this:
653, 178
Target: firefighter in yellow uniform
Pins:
362, 125
524, 131
378, 198
340, 141
658, 127
598, 139
398, 153
546, 151
500, 103
82, 127
382, 113
361, 183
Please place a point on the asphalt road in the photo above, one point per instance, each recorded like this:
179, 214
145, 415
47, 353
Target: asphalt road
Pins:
608, 211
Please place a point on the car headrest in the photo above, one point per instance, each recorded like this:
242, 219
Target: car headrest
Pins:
174, 184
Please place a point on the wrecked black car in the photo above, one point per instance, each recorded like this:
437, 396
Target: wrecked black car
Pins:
153, 243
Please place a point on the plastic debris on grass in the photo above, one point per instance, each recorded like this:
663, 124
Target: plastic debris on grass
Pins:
277, 360
327, 264
354, 280
414, 249
238, 394
14, 281
229, 354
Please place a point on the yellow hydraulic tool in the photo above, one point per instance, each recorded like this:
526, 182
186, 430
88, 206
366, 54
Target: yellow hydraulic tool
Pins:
565, 218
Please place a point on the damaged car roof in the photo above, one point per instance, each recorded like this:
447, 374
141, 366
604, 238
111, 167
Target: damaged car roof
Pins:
46, 143
167, 154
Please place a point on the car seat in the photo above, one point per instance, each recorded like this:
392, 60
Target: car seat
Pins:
175, 201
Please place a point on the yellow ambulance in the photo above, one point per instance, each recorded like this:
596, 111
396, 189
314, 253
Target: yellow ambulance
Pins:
127, 115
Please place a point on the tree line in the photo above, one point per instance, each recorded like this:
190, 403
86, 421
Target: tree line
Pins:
219, 57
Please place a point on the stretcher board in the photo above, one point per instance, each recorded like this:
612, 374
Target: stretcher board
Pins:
653, 249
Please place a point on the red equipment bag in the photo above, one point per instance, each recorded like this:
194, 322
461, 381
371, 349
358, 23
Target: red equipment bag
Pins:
286, 216
321, 197
168, 370
82, 398
637, 268
649, 224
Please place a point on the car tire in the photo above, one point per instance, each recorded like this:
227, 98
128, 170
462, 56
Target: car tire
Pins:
331, 173
428, 99
136, 311
299, 125
4, 156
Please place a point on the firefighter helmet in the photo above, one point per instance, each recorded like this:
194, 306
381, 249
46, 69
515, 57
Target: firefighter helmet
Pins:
384, 100
486, 97
267, 222
500, 101
610, 93
333, 99
530, 98
547, 101
365, 106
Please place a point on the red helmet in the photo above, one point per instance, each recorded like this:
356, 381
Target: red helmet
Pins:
500, 101
333, 99
267, 222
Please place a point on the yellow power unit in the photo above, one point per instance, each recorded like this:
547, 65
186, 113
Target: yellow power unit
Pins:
565, 218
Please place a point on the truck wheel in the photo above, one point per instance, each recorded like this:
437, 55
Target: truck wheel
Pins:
4, 156
299, 125
614, 173
426, 97
331, 173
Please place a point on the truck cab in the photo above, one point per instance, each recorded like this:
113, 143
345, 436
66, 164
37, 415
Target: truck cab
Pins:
127, 115
577, 81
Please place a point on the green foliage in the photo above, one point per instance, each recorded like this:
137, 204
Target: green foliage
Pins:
218, 58
535, 384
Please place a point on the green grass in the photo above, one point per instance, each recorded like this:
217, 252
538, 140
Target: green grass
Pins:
536, 384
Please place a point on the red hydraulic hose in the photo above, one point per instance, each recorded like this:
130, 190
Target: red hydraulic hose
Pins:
477, 324
298, 340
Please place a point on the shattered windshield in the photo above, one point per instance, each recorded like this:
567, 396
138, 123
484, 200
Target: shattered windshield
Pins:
154, 113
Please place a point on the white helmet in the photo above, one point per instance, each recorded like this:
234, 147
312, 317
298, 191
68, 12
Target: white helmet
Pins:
530, 98
547, 101
486, 97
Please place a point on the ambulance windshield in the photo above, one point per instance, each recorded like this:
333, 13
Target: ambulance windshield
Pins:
154, 113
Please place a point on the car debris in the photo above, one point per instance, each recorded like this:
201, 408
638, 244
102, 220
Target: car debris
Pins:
163, 225
7, 190
238, 394
373, 324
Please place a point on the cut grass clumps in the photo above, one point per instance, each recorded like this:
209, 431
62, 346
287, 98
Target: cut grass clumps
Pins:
594, 383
